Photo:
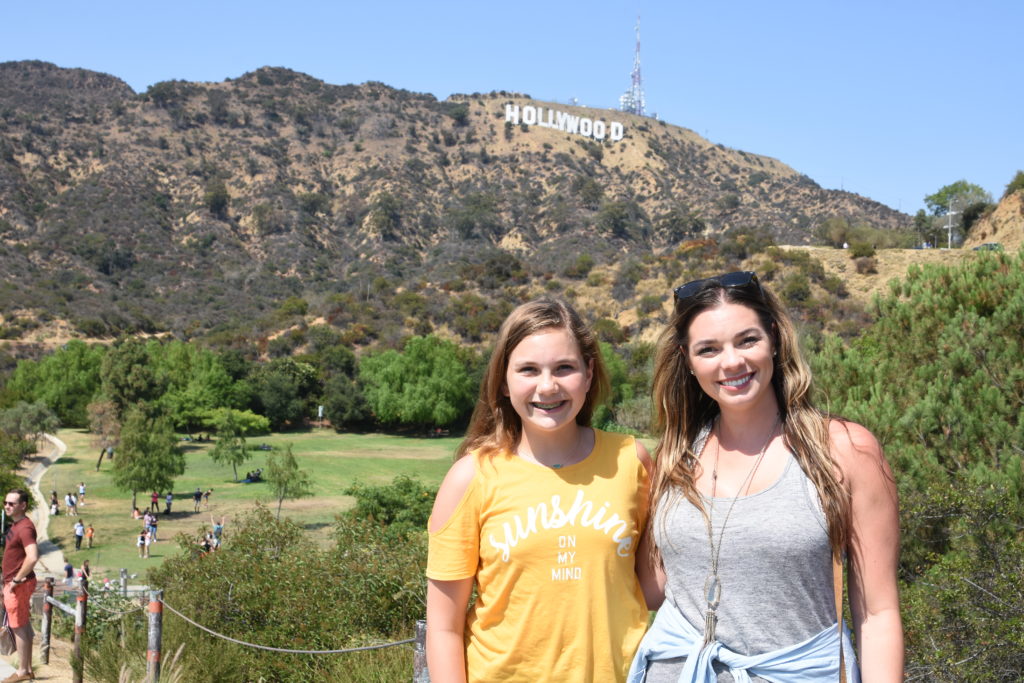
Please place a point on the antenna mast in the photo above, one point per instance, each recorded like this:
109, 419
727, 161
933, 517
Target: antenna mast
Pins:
633, 100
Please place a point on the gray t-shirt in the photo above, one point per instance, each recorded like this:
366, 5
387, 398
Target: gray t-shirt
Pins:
775, 568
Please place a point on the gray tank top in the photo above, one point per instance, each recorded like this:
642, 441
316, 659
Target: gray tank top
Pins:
775, 568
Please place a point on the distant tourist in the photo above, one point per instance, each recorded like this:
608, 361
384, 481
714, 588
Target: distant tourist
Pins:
218, 531
84, 573
168, 499
90, 533
79, 534
197, 499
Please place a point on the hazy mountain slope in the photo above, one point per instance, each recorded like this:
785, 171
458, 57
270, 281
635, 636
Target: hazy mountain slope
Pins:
196, 204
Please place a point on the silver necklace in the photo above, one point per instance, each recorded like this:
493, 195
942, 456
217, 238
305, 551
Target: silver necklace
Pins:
573, 454
713, 583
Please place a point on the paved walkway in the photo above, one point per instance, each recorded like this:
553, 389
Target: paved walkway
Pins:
51, 559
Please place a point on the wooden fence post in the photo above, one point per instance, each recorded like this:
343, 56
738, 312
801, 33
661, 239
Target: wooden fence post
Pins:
420, 674
47, 625
156, 614
124, 582
76, 656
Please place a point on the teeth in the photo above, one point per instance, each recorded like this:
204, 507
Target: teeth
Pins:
548, 406
736, 382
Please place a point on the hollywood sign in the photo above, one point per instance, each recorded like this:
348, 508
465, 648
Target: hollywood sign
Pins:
545, 117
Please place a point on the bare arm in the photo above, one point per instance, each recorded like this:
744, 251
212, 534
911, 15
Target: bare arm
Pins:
446, 624
652, 577
31, 557
873, 552
447, 600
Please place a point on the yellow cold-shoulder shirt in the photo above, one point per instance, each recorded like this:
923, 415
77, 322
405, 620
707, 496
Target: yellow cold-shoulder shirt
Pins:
552, 551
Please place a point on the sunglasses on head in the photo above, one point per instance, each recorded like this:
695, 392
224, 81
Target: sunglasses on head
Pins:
739, 279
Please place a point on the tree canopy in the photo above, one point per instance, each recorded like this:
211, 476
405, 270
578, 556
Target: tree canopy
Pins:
149, 458
66, 380
939, 379
427, 384
286, 480
960, 194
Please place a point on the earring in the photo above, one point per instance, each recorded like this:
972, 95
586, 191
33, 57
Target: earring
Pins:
691, 372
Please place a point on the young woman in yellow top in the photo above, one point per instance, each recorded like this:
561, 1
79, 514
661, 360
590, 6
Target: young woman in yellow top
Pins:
543, 514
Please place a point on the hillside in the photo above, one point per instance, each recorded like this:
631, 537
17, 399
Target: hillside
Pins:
1004, 225
196, 207
889, 264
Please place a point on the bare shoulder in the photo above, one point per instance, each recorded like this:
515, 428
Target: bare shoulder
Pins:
644, 457
453, 490
855, 449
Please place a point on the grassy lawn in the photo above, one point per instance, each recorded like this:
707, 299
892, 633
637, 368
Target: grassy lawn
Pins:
332, 460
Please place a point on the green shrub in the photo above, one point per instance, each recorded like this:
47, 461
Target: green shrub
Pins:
404, 504
272, 586
649, 304
609, 331
865, 265
1015, 185
579, 268
217, 198
796, 289
861, 250
833, 284
954, 448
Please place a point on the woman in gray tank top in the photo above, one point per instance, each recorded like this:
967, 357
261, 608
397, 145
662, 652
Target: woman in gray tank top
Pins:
754, 493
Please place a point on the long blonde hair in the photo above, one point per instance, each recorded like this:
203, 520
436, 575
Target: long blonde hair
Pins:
495, 425
682, 409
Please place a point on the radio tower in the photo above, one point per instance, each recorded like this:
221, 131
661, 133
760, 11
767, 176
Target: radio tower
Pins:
633, 99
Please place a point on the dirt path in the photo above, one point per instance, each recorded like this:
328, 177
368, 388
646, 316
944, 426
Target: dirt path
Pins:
51, 559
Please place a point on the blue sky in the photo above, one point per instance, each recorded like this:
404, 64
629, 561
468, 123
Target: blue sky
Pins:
891, 100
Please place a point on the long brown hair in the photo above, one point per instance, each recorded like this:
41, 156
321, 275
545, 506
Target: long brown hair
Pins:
495, 425
682, 409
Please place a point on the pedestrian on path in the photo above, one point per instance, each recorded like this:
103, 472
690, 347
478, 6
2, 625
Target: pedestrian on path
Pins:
89, 534
19, 580
69, 572
79, 534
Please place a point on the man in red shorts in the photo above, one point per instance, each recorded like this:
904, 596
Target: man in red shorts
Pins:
20, 556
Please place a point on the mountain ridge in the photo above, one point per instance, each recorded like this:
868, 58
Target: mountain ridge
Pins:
196, 204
